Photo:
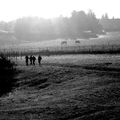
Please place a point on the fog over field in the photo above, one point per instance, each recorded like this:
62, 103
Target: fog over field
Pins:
59, 60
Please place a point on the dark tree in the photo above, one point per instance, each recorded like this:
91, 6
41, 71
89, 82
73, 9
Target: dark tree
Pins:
7, 73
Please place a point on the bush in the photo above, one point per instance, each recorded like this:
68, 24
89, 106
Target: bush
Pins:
7, 73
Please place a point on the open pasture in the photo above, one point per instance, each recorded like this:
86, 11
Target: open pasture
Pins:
69, 87
103, 43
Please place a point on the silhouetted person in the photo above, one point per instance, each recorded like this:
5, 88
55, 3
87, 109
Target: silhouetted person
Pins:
33, 58
26, 59
39, 59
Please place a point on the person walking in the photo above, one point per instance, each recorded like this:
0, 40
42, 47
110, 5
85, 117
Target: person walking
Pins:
39, 59
33, 58
26, 60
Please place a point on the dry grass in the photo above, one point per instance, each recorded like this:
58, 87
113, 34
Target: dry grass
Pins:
61, 91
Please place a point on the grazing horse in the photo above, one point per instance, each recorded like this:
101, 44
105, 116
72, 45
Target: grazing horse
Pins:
64, 43
77, 41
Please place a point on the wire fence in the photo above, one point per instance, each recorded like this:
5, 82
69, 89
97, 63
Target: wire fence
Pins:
93, 49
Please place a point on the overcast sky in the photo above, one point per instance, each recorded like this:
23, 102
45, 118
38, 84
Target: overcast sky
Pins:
12, 9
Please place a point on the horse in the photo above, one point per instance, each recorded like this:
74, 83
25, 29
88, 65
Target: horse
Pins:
77, 41
64, 43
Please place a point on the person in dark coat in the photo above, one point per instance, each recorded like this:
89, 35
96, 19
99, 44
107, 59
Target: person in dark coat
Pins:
26, 59
39, 59
33, 58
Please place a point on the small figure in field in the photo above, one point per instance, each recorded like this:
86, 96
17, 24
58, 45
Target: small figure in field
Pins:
26, 59
33, 58
39, 59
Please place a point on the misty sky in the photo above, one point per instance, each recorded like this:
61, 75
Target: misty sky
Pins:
12, 9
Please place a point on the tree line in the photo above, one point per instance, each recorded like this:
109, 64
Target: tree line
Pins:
78, 25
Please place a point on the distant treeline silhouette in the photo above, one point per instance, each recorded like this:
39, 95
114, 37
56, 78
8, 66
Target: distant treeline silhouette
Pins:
78, 25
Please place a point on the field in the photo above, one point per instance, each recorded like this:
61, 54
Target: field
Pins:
66, 87
108, 43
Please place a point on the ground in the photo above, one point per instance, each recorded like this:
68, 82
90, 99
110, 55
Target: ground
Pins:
78, 87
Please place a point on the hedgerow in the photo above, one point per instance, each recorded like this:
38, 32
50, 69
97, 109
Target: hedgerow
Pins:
7, 74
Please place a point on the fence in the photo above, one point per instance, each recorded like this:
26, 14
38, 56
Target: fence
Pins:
62, 50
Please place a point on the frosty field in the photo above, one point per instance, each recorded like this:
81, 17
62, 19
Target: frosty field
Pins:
66, 87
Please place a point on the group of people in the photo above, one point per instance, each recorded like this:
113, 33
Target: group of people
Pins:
32, 60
